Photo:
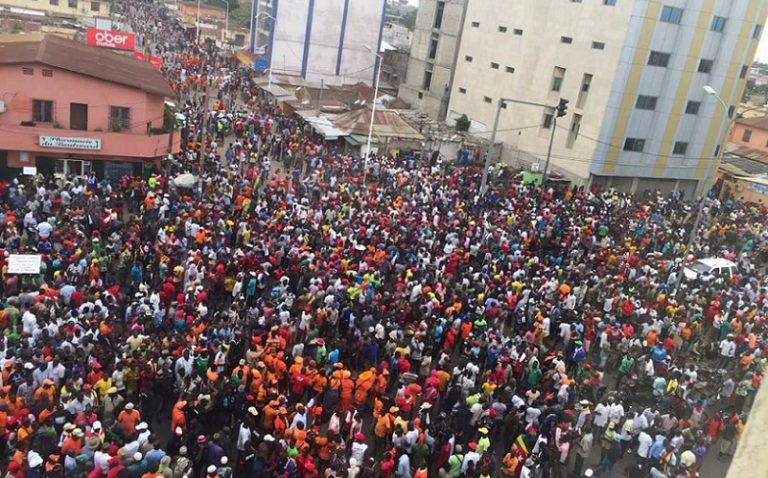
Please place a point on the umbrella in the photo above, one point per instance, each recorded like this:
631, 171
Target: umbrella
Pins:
186, 180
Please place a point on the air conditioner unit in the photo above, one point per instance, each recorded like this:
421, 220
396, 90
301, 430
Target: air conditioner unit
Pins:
2, 106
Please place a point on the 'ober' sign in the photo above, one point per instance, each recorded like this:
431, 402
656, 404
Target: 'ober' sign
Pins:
111, 39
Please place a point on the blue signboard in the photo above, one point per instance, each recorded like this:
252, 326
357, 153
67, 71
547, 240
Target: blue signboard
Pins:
261, 65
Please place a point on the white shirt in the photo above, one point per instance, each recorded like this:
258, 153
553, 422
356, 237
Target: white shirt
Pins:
644, 442
243, 437
358, 451
727, 348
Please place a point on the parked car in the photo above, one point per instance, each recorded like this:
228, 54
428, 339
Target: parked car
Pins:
710, 268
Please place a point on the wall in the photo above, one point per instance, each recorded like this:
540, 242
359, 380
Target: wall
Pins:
394, 68
758, 139
677, 84
533, 55
324, 53
629, 31
63, 9
433, 100
66, 87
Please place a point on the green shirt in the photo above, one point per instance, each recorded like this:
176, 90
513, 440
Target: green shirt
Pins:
626, 364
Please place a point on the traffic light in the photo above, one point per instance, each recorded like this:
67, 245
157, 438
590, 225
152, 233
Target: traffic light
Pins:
562, 107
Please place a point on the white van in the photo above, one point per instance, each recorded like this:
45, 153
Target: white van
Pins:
710, 268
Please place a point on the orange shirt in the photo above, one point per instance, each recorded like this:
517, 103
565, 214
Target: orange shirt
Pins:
128, 420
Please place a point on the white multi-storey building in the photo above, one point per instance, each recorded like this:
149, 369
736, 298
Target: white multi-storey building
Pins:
329, 40
633, 71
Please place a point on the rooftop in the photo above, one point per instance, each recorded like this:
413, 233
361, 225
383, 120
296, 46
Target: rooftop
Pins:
86, 60
759, 122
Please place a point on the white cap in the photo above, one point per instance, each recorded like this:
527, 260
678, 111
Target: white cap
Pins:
212, 469
137, 456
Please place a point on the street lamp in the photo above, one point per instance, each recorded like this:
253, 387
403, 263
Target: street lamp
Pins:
700, 208
274, 23
373, 110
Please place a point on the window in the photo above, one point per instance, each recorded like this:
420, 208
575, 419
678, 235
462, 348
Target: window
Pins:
433, 49
548, 119
509, 69
494, 66
586, 82
718, 24
517, 32
463, 91
705, 66
95, 6
657, 58
731, 110
468, 58
598, 45
119, 118
746, 136
502, 29
575, 1
743, 72
567, 40
439, 14
53, 2
27, 70
427, 80
609, 2
646, 102
757, 31
48, 73
680, 147
475, 24
671, 14
72, 3
557, 78
634, 144
42, 111
573, 132
78, 116
420, 95
692, 108
487, 99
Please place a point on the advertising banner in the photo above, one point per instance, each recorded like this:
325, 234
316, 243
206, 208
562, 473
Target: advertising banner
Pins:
111, 39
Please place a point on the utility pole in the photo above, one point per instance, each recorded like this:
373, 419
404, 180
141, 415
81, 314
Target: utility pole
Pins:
204, 135
560, 110
491, 147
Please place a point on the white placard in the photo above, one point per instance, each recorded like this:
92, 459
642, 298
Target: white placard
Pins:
30, 170
68, 142
24, 263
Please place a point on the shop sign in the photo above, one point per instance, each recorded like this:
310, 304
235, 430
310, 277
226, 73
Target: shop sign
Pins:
67, 142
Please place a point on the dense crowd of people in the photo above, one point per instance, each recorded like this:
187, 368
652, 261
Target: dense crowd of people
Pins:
287, 318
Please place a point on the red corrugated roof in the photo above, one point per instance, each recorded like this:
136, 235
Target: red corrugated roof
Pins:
86, 60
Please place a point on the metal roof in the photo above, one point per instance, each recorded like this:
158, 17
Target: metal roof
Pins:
748, 160
322, 125
86, 60
387, 124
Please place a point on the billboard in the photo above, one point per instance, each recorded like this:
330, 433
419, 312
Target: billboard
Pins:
111, 39
24, 263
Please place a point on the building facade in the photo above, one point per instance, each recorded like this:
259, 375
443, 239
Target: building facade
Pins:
62, 8
70, 108
434, 52
333, 41
633, 71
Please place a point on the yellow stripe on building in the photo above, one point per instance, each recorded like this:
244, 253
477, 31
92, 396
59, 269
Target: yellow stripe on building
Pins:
681, 96
707, 161
633, 82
